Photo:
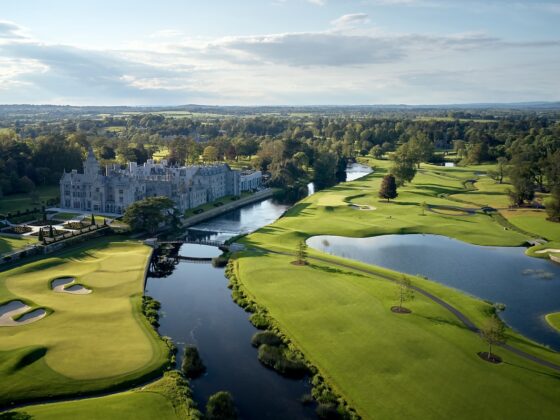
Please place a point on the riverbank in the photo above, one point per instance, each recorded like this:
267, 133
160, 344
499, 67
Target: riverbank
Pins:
340, 317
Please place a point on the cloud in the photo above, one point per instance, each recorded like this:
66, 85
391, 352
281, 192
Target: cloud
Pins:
11, 31
318, 2
351, 20
344, 64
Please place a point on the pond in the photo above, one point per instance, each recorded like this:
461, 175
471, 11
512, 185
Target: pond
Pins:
529, 287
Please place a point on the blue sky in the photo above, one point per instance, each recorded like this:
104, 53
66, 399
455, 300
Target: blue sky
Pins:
279, 52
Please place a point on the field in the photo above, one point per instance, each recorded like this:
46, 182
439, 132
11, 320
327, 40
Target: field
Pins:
423, 365
86, 343
15, 202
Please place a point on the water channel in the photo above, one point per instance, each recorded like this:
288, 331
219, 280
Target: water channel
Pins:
529, 287
197, 309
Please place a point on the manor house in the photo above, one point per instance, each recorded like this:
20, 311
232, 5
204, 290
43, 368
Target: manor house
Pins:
114, 188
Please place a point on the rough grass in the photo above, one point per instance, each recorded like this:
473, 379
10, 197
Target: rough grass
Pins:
15, 202
554, 320
89, 342
423, 365
160, 400
8, 244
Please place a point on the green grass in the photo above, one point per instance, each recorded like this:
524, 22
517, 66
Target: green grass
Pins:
423, 365
89, 342
8, 243
157, 400
554, 320
15, 202
65, 216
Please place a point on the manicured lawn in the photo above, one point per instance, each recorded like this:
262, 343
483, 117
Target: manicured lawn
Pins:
157, 400
534, 221
8, 243
554, 320
15, 202
423, 365
87, 342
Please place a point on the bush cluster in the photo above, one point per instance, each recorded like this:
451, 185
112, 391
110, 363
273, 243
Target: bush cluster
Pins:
150, 309
266, 337
192, 365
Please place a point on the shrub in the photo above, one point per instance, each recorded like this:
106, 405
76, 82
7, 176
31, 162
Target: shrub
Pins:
266, 337
327, 411
220, 406
192, 365
260, 320
220, 261
281, 360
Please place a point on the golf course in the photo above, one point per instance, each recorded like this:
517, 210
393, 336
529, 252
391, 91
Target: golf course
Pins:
92, 336
338, 312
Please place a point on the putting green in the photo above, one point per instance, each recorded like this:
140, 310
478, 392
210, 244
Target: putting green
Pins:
421, 365
88, 341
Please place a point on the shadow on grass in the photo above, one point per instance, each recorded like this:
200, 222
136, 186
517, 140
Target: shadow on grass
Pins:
332, 270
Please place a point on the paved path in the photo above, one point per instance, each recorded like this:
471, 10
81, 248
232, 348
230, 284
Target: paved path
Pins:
460, 315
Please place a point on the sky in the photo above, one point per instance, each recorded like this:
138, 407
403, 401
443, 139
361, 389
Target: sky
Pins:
278, 52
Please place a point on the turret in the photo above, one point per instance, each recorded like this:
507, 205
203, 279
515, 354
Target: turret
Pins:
91, 165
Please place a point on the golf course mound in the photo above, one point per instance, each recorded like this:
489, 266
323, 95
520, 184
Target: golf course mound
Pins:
62, 285
15, 313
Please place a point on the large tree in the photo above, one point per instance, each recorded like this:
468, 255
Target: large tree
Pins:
493, 333
148, 214
388, 189
403, 169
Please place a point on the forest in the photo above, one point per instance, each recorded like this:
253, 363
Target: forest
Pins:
293, 148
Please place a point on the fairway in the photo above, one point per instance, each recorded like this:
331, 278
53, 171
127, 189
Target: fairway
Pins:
554, 320
87, 342
422, 365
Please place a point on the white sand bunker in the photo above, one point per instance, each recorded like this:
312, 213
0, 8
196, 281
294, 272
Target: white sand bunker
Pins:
60, 286
13, 309
546, 251
364, 207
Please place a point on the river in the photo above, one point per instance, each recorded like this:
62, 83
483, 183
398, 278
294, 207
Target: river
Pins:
197, 309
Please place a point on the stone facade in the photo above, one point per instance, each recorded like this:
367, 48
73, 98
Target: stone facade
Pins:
114, 189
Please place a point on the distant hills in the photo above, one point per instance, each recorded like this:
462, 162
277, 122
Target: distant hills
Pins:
62, 111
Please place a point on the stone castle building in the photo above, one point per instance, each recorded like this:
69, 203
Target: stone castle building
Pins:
113, 189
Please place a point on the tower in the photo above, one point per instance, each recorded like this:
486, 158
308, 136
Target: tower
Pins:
91, 166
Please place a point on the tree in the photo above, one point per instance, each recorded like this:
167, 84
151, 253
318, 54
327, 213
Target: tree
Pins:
92, 219
552, 206
41, 235
421, 147
192, 365
220, 406
51, 232
149, 214
210, 154
493, 334
324, 170
388, 187
403, 169
301, 253
404, 294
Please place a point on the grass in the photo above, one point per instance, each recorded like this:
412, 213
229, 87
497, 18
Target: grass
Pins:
422, 365
89, 342
554, 320
8, 243
156, 400
15, 202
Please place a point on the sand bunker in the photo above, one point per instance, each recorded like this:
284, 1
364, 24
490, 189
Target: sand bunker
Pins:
364, 207
16, 307
546, 251
59, 286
